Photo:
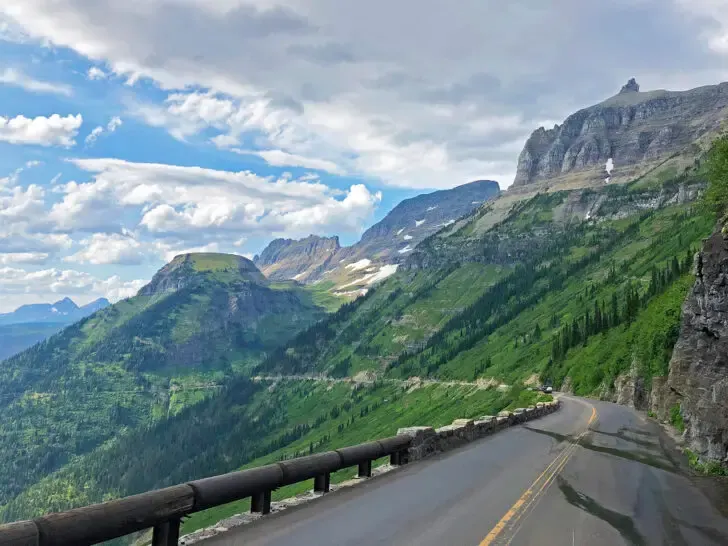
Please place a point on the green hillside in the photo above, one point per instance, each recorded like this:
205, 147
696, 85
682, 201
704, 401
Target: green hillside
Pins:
202, 319
536, 280
250, 424
573, 287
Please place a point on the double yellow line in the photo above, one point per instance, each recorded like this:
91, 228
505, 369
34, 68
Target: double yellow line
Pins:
527, 502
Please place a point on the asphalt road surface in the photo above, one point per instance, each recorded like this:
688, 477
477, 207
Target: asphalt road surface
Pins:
592, 473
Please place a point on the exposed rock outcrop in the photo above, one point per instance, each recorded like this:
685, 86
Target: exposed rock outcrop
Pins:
300, 260
629, 389
698, 371
632, 128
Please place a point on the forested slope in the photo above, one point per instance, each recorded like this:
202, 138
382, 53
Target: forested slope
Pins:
203, 318
574, 287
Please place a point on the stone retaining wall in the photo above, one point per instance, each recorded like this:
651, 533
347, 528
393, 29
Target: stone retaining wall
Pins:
428, 441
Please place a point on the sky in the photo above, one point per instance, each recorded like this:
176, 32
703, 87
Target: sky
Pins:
135, 130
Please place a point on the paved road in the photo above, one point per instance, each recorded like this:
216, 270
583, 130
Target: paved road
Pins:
532, 484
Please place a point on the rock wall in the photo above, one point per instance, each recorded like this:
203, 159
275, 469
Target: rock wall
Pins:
427, 441
698, 371
630, 128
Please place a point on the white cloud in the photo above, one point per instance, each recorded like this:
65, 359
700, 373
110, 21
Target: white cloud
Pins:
19, 286
11, 258
95, 73
93, 135
114, 248
11, 76
405, 105
168, 252
113, 125
22, 204
279, 158
175, 201
716, 34
44, 131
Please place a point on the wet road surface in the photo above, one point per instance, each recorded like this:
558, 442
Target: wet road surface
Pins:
592, 473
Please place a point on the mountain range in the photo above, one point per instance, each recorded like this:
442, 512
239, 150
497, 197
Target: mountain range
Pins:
32, 323
566, 278
350, 271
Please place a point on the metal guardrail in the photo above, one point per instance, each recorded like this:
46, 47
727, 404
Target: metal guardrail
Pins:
163, 509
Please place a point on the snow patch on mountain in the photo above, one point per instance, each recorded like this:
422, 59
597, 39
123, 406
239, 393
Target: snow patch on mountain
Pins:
361, 264
418, 223
384, 272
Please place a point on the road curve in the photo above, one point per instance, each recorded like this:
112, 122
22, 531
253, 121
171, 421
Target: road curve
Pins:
592, 473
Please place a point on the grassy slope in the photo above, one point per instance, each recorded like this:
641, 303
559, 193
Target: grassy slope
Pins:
250, 425
130, 365
515, 355
404, 312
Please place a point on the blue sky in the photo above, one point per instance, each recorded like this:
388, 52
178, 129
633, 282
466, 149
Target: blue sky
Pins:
131, 131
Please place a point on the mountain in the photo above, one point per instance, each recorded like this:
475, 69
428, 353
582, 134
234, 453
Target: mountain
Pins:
30, 324
417, 218
637, 130
297, 260
64, 311
202, 318
349, 271
579, 284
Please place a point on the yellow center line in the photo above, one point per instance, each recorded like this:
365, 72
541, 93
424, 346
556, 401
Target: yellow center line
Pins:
520, 507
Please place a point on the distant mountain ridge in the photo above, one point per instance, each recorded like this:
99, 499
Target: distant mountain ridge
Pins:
297, 260
381, 248
64, 311
30, 324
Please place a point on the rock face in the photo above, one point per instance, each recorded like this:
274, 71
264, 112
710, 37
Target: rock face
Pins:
698, 372
629, 389
630, 128
414, 219
298, 260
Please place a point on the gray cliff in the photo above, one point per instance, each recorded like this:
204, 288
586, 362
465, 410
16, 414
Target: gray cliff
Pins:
698, 372
632, 128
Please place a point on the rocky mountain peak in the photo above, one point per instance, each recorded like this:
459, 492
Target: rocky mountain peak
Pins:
299, 260
630, 87
188, 270
636, 130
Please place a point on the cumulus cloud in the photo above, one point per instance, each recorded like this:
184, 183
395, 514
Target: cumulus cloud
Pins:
44, 131
194, 202
113, 125
110, 248
16, 78
418, 105
49, 284
95, 73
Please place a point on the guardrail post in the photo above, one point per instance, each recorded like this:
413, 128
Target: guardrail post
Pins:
322, 483
260, 502
166, 533
365, 469
395, 459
